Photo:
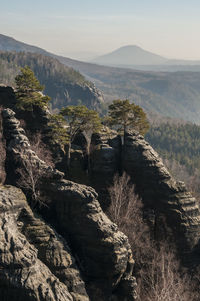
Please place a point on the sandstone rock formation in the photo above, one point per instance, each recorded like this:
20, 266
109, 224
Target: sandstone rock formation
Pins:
87, 93
102, 253
7, 97
23, 276
105, 162
163, 196
98, 264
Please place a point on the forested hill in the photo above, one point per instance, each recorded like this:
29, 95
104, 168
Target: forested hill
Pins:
171, 94
179, 142
179, 147
63, 84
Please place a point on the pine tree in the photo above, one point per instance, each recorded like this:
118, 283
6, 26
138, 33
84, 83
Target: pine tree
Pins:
80, 119
125, 115
29, 91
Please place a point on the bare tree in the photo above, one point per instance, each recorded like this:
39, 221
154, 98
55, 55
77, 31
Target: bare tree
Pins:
30, 176
157, 269
163, 279
32, 172
41, 150
125, 204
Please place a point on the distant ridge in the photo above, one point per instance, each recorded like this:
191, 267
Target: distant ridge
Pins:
172, 94
10, 44
132, 56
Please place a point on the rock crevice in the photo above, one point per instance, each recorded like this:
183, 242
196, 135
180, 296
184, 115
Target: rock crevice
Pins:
102, 252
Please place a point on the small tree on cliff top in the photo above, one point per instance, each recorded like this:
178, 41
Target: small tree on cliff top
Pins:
29, 91
80, 118
58, 130
125, 115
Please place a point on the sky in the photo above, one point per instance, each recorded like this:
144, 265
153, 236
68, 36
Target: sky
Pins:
87, 28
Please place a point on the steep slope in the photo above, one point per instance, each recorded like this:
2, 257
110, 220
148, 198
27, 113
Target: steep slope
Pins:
167, 201
31, 247
175, 95
169, 207
10, 44
63, 84
103, 253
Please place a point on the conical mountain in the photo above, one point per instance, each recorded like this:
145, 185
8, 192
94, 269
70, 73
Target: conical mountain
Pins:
130, 55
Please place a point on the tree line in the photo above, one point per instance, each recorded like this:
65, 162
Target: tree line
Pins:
178, 142
122, 115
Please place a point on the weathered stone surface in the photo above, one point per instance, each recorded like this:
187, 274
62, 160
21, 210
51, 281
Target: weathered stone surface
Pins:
93, 98
162, 195
105, 254
22, 275
7, 97
105, 162
54, 252
102, 252
18, 147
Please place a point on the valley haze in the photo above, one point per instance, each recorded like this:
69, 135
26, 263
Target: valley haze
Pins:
172, 94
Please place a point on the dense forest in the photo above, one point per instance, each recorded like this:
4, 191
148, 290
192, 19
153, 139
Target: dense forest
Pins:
174, 94
63, 84
178, 145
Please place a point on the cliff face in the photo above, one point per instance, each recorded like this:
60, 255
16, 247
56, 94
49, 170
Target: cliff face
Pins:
36, 264
89, 259
169, 207
163, 197
73, 94
105, 162
102, 253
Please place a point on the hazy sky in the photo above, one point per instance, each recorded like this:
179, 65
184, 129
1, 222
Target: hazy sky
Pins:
167, 27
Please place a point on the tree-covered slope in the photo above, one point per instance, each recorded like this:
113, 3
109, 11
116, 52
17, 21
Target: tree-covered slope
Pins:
178, 145
63, 84
179, 142
173, 94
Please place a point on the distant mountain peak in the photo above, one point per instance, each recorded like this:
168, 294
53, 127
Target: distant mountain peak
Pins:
130, 55
130, 47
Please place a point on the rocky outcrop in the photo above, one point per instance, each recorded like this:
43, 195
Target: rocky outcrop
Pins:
105, 162
23, 276
7, 97
35, 120
102, 252
162, 196
53, 251
88, 94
